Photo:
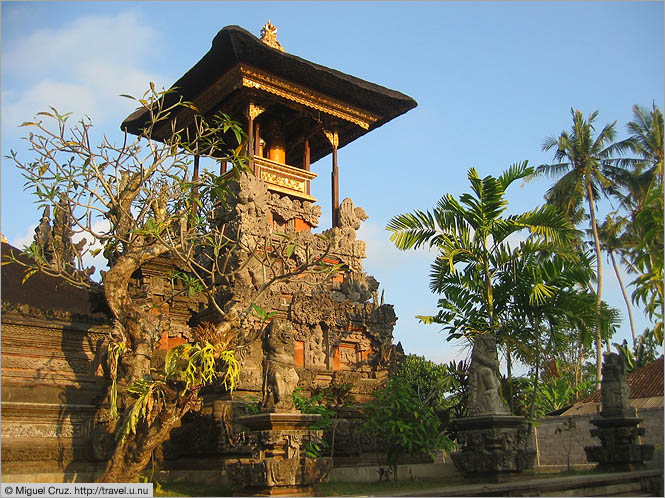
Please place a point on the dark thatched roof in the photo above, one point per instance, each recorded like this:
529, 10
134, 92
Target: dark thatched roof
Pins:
234, 45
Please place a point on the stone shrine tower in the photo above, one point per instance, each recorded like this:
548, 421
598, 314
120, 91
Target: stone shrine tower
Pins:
295, 113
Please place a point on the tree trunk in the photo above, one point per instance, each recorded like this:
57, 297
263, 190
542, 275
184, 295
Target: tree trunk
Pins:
141, 328
130, 458
532, 408
509, 367
625, 298
599, 286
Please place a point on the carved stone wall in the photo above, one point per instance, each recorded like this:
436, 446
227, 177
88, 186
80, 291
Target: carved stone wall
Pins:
339, 325
52, 383
342, 331
52, 374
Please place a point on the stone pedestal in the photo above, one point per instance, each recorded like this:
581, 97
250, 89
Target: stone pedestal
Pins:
278, 464
495, 445
619, 443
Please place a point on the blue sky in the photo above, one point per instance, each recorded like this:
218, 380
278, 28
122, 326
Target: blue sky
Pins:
492, 80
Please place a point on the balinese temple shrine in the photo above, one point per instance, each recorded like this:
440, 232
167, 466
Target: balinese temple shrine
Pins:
296, 113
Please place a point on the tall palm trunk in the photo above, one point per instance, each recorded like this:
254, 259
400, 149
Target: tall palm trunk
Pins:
509, 366
629, 306
599, 285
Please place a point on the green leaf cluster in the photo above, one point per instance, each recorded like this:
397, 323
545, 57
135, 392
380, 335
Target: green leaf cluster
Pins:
187, 369
402, 423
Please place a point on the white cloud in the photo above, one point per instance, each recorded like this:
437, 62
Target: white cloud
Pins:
382, 253
25, 239
64, 97
80, 68
118, 40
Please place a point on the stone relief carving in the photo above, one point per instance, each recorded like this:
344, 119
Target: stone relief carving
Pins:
347, 354
350, 216
484, 387
279, 373
317, 353
287, 209
253, 195
28, 430
358, 288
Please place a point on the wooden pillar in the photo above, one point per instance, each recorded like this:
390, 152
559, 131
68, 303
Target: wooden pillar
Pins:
306, 161
253, 111
333, 138
195, 179
257, 138
250, 141
334, 180
222, 167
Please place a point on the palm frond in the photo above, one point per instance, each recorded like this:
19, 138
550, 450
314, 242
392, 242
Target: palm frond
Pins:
411, 230
514, 172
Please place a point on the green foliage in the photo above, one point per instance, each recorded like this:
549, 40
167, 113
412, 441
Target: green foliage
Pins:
455, 402
187, 369
471, 237
191, 284
398, 418
554, 393
261, 313
648, 258
115, 349
644, 351
252, 405
150, 401
431, 382
314, 405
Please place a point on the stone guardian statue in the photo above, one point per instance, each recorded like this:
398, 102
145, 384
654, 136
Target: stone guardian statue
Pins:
615, 392
279, 374
484, 386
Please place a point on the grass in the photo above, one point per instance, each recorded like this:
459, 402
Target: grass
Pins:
377, 488
382, 488
187, 488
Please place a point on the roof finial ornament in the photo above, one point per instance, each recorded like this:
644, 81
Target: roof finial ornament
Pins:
269, 36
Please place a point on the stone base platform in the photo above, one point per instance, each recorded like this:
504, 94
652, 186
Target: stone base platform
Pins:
278, 465
620, 449
493, 445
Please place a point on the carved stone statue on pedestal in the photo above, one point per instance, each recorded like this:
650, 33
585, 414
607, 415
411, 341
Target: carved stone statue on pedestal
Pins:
614, 388
617, 427
279, 373
484, 386
493, 442
277, 465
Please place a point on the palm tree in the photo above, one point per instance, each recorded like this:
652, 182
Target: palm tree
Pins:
584, 165
471, 232
645, 201
549, 298
612, 242
646, 141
